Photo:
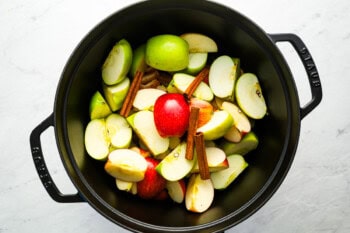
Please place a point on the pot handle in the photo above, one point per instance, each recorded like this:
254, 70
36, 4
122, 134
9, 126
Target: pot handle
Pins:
41, 167
310, 68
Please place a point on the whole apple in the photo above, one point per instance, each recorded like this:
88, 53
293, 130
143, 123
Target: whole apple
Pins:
153, 183
171, 115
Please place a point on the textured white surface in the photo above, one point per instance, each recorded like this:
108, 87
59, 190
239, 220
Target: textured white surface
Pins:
36, 39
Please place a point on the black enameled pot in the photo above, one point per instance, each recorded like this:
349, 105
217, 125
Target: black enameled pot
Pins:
236, 35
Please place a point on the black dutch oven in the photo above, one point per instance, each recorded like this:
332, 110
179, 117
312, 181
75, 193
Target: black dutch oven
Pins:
237, 36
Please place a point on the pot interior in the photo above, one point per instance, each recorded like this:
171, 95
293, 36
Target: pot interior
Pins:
236, 36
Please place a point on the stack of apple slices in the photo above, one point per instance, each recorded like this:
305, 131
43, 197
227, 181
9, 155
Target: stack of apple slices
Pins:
145, 151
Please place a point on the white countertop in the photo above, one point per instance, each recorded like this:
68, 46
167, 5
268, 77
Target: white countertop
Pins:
36, 39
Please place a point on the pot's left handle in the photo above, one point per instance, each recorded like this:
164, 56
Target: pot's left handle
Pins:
41, 167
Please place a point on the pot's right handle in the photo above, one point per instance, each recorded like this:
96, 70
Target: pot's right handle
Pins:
310, 68
41, 167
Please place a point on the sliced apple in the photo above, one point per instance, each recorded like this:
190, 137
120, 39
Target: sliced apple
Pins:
117, 64
145, 98
216, 159
126, 164
119, 131
224, 178
138, 60
199, 43
199, 194
124, 185
143, 124
98, 107
181, 81
240, 120
175, 166
96, 139
116, 94
176, 190
223, 74
217, 126
233, 135
174, 142
247, 144
196, 63
141, 151
205, 110
249, 96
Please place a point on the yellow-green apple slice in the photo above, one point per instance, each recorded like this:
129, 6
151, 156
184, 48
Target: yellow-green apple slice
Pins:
96, 139
145, 98
216, 159
175, 166
116, 94
248, 143
199, 194
138, 60
233, 135
167, 52
249, 96
174, 142
181, 81
119, 131
240, 120
118, 63
124, 185
143, 125
98, 107
217, 126
199, 43
222, 179
176, 190
126, 164
196, 63
223, 74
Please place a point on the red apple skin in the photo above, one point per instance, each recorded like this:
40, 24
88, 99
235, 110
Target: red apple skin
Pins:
153, 183
162, 196
205, 110
171, 115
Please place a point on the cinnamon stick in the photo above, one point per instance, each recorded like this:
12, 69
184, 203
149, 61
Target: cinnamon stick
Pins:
130, 97
195, 83
201, 156
192, 127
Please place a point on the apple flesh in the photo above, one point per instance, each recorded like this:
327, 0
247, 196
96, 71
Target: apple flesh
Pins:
119, 131
248, 143
197, 62
233, 135
116, 94
240, 120
146, 98
117, 64
167, 52
176, 190
175, 166
199, 194
124, 185
249, 96
217, 126
142, 123
126, 165
222, 179
98, 107
171, 115
222, 76
153, 183
138, 60
216, 159
205, 110
199, 43
96, 139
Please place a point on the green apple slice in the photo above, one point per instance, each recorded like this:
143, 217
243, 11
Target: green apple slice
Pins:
143, 125
118, 63
126, 164
116, 94
98, 107
196, 63
240, 120
119, 131
224, 178
124, 185
199, 194
181, 81
216, 159
176, 190
233, 135
138, 60
96, 139
175, 166
217, 126
250, 97
199, 43
222, 76
145, 98
248, 143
